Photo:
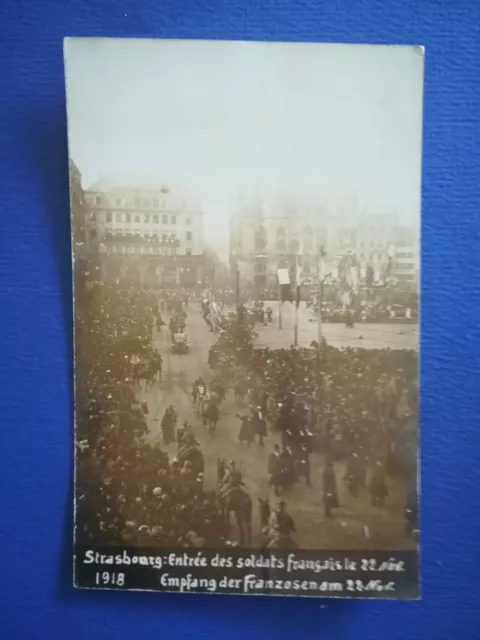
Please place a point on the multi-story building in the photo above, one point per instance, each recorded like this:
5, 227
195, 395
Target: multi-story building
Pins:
407, 255
270, 236
388, 247
265, 238
145, 233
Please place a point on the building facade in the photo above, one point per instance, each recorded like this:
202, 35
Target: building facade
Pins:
264, 239
147, 234
379, 241
406, 263
275, 236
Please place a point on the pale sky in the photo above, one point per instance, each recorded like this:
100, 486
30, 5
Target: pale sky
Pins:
328, 122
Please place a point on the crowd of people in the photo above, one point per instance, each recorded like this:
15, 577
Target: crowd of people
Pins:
358, 406
365, 311
354, 405
129, 491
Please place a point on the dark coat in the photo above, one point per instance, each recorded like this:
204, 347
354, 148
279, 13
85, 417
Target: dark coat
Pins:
246, 431
259, 424
330, 494
274, 463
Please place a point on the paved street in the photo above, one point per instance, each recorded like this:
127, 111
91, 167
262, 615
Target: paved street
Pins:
364, 335
356, 523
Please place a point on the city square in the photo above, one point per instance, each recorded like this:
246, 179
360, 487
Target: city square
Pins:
358, 524
208, 413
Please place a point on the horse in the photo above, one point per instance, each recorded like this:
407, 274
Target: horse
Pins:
234, 499
210, 417
146, 371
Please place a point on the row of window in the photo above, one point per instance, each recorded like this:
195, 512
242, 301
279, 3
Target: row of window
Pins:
144, 203
164, 251
147, 219
165, 237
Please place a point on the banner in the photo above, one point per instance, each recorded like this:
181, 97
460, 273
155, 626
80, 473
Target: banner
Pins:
284, 282
283, 277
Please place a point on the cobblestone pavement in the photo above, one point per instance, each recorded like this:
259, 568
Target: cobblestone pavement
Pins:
356, 523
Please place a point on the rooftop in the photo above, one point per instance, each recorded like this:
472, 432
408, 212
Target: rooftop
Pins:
141, 185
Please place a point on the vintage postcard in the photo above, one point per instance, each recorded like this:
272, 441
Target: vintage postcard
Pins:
246, 245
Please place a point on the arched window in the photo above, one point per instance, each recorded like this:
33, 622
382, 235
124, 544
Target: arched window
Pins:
281, 231
281, 245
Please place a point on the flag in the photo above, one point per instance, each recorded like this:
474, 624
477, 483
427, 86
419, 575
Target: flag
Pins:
284, 284
283, 277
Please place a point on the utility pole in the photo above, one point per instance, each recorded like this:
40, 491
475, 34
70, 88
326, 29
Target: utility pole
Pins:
321, 265
237, 293
280, 306
297, 300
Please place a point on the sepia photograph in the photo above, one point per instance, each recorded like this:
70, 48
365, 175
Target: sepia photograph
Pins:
246, 272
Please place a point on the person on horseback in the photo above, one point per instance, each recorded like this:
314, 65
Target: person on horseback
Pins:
236, 479
229, 472
199, 393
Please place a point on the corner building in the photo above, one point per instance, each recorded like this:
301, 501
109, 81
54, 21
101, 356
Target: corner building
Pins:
145, 233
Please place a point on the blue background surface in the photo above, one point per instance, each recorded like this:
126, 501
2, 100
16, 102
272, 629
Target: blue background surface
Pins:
37, 600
